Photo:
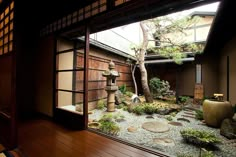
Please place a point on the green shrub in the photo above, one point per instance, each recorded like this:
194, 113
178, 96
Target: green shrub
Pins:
159, 87
206, 153
138, 109
184, 155
199, 114
183, 99
118, 116
128, 93
101, 104
125, 108
173, 114
106, 117
149, 108
120, 106
169, 118
122, 88
199, 137
107, 125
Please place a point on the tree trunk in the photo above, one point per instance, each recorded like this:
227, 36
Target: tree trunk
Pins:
134, 80
143, 71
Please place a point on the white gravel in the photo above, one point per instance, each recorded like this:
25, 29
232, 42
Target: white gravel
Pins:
145, 138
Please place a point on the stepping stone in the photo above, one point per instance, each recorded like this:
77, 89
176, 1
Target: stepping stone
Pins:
188, 116
175, 123
189, 113
183, 119
132, 129
157, 127
149, 117
164, 141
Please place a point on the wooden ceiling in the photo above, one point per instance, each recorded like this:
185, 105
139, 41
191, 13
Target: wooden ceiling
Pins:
134, 11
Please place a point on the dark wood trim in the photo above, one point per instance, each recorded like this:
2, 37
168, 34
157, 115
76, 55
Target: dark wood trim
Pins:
227, 77
55, 76
92, 81
104, 81
69, 70
6, 54
80, 68
65, 51
75, 49
13, 137
74, 73
86, 66
92, 100
72, 91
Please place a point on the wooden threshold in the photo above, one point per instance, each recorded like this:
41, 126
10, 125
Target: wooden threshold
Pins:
44, 138
129, 143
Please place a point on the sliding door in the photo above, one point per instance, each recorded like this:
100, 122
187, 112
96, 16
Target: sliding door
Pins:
71, 81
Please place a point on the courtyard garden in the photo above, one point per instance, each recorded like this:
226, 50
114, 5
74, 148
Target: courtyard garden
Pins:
176, 128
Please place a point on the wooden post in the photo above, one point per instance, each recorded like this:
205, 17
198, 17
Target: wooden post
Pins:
227, 86
86, 66
198, 93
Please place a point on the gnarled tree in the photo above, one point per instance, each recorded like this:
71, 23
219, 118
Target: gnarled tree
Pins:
163, 30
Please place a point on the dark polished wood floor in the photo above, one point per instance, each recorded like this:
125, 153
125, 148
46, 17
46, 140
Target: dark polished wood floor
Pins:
43, 138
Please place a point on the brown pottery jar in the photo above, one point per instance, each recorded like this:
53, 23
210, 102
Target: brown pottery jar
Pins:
214, 112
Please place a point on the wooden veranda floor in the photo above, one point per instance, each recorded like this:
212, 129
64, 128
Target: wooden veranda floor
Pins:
43, 138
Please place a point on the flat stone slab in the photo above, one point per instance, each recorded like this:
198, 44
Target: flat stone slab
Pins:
157, 127
175, 123
164, 141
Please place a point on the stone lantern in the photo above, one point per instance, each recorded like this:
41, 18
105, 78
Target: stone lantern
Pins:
111, 86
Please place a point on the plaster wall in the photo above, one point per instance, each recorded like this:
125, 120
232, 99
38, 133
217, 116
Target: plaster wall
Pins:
228, 50
210, 75
187, 79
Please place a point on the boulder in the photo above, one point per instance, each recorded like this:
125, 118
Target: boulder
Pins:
119, 97
228, 128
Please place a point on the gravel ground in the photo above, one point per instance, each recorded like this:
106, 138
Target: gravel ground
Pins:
145, 138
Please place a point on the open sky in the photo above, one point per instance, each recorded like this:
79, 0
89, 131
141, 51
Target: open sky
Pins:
131, 33
205, 8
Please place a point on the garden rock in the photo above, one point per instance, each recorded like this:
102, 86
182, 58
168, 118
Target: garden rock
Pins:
79, 107
149, 117
132, 129
94, 125
234, 117
119, 97
228, 128
135, 99
157, 127
163, 111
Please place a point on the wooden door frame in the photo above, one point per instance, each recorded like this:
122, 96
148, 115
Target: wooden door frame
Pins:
75, 121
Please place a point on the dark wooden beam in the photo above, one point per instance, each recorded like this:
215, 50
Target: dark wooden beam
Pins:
133, 11
86, 66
